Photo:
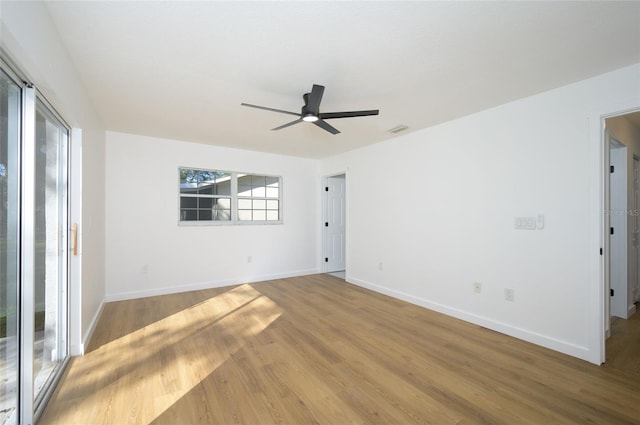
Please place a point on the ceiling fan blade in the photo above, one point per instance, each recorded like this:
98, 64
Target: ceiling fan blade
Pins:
313, 106
330, 115
288, 124
326, 126
270, 109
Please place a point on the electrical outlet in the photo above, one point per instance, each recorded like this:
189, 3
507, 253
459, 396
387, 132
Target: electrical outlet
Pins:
477, 287
509, 295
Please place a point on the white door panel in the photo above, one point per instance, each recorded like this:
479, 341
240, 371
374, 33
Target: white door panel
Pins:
335, 231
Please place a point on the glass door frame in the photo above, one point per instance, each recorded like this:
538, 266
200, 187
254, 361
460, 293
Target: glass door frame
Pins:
41, 396
13, 268
27, 257
30, 406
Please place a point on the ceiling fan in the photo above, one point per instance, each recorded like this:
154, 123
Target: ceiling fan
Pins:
311, 111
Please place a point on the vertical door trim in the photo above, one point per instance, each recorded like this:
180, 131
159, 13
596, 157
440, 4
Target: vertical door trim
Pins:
76, 346
606, 241
636, 232
27, 257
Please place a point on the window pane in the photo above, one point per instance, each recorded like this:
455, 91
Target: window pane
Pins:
223, 203
188, 188
188, 202
223, 215
222, 209
206, 203
273, 215
187, 175
188, 180
205, 215
205, 189
188, 215
259, 215
259, 192
244, 185
272, 205
244, 191
259, 204
244, 204
223, 186
272, 192
272, 181
205, 182
244, 215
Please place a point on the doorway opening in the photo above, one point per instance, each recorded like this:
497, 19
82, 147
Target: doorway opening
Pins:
334, 206
622, 249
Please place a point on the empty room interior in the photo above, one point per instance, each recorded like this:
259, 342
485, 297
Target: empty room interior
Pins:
297, 212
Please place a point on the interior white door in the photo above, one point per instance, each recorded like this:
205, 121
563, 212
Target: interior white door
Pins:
335, 227
618, 223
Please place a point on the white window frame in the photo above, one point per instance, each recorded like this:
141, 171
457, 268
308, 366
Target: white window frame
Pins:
235, 197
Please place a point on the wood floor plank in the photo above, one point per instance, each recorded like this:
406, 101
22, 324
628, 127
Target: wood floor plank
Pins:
315, 349
623, 347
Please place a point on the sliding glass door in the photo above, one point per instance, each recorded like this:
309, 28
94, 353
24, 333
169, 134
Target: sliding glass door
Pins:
33, 249
10, 103
50, 260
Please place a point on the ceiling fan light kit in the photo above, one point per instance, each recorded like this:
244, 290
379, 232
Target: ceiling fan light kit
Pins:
310, 111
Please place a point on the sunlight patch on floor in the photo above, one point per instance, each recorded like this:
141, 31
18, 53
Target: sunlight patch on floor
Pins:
162, 362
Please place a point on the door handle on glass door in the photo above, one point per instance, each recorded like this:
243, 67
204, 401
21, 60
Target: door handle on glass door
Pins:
75, 238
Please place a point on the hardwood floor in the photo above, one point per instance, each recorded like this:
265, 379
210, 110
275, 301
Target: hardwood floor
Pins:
623, 347
315, 349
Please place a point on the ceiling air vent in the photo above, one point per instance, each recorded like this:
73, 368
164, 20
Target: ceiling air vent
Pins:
398, 129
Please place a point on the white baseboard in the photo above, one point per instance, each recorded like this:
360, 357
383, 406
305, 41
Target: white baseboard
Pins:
79, 350
505, 328
203, 285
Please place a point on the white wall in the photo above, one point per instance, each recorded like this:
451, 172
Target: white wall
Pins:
437, 208
30, 38
148, 253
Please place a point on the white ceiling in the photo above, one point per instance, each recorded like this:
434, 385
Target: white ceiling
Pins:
178, 69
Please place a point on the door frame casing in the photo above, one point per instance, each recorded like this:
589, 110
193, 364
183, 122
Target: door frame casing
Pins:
598, 245
635, 228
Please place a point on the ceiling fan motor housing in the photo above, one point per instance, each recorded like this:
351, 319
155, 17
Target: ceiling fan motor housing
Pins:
305, 113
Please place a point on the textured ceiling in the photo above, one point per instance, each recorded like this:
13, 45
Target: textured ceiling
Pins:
180, 70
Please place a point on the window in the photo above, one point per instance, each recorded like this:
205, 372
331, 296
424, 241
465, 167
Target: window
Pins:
258, 198
210, 196
205, 195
